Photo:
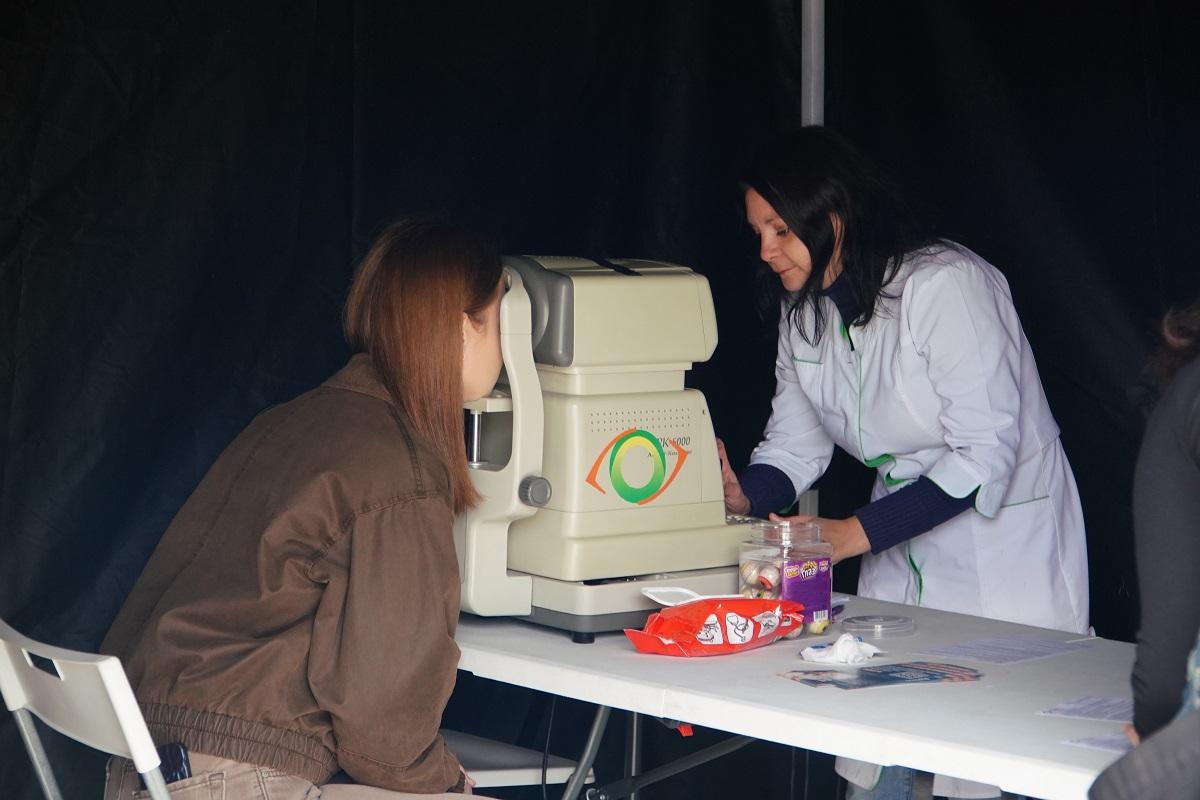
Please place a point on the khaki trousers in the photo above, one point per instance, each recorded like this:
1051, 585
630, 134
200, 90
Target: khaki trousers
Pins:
221, 779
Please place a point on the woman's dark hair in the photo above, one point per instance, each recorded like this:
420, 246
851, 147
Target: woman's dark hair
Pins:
810, 175
1181, 342
405, 310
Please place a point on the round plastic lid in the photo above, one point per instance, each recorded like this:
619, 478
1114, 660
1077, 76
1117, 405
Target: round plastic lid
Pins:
878, 626
786, 531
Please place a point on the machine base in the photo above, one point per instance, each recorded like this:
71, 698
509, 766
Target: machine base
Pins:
583, 630
584, 609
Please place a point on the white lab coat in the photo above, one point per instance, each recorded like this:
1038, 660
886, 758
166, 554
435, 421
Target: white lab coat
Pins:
942, 382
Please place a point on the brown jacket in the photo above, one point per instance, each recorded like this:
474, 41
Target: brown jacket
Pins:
299, 612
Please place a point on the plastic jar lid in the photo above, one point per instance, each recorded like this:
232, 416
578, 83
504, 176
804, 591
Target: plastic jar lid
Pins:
878, 626
786, 532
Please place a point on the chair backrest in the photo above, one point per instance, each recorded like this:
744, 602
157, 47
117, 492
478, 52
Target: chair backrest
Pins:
81, 695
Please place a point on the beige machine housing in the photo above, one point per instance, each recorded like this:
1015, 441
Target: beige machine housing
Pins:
619, 485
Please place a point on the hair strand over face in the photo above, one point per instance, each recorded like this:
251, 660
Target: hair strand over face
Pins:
404, 310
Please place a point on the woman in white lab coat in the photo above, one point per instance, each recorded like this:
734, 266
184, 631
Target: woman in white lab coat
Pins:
907, 353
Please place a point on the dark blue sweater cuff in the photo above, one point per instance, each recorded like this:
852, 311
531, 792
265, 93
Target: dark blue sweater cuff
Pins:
918, 507
768, 488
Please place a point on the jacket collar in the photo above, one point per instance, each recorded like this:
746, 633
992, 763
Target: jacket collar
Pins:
360, 375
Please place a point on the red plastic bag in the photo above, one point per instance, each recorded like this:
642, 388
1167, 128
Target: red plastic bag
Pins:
713, 626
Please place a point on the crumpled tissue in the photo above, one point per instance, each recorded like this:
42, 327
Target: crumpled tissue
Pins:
848, 649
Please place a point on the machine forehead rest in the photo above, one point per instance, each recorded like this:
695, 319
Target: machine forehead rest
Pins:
616, 313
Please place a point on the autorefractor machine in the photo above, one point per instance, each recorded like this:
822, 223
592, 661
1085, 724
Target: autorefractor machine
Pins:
598, 468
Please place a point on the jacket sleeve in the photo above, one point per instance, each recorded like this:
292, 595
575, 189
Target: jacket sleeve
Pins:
1166, 519
383, 657
963, 324
794, 441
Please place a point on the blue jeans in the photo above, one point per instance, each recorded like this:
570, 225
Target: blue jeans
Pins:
895, 783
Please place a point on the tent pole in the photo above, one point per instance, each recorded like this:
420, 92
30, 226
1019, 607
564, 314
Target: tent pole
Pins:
812, 62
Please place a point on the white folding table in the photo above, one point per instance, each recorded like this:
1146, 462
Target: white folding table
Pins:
988, 731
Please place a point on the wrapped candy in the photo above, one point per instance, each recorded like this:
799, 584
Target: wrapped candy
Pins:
711, 626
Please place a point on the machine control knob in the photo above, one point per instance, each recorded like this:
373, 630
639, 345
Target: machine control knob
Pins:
534, 490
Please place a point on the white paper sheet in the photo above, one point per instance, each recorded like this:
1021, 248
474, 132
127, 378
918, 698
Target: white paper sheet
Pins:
1110, 742
1106, 709
1006, 649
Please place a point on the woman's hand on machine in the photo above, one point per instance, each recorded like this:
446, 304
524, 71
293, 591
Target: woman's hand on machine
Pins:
846, 535
736, 501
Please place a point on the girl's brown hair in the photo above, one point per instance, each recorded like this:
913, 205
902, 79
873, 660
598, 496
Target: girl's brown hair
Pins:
405, 310
1181, 342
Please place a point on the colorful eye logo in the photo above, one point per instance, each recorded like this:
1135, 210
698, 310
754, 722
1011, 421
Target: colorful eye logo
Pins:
621, 446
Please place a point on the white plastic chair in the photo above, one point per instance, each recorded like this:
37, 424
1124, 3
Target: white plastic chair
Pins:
81, 695
493, 764
88, 698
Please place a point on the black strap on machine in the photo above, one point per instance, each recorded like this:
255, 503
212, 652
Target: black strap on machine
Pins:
621, 268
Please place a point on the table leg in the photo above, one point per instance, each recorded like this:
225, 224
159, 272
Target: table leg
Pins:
588, 757
922, 785
624, 787
633, 749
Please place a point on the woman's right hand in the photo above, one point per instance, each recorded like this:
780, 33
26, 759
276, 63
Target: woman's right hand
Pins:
736, 501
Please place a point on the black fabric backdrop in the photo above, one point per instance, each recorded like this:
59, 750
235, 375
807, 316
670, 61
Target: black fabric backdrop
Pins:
184, 189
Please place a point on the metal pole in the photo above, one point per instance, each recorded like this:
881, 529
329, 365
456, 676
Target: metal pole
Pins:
625, 786
922, 787
633, 749
589, 754
812, 62
41, 764
474, 435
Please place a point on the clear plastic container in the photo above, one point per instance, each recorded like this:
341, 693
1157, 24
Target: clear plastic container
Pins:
878, 626
788, 560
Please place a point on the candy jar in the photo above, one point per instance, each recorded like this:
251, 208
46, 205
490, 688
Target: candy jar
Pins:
788, 560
